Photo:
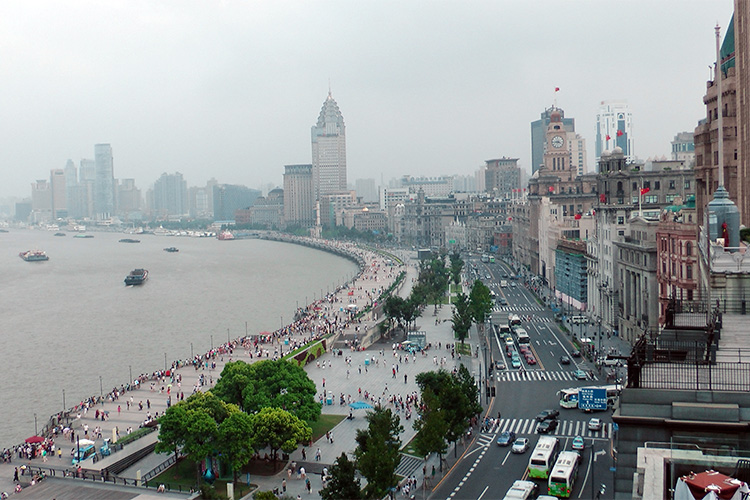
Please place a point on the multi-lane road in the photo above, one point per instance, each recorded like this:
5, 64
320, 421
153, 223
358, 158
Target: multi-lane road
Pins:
487, 470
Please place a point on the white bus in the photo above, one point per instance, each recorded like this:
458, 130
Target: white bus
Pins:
569, 397
521, 490
543, 457
523, 336
563, 475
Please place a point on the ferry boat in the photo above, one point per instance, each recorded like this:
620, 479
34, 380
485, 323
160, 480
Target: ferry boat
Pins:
59, 234
33, 256
225, 235
136, 277
129, 240
81, 235
171, 249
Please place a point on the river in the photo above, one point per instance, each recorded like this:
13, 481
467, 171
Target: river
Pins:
69, 327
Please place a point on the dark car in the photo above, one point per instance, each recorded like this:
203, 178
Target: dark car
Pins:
576, 354
506, 438
546, 426
502, 301
547, 415
564, 360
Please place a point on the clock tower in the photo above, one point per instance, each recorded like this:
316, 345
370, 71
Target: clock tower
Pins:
557, 159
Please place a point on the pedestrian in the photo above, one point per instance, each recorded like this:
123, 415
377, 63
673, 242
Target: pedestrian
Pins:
304, 454
15, 475
308, 485
283, 485
405, 378
317, 455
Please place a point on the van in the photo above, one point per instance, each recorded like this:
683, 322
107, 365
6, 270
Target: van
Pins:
521, 490
513, 319
577, 320
83, 452
504, 328
503, 284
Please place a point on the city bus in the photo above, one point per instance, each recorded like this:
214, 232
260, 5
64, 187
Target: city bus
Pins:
569, 397
543, 457
523, 336
564, 474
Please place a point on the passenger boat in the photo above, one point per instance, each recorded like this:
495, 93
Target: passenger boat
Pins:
136, 277
34, 255
83, 236
59, 234
171, 249
129, 240
225, 235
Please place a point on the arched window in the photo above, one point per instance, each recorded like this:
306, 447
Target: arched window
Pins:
688, 248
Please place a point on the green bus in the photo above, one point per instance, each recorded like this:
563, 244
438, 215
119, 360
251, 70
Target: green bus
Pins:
563, 475
543, 457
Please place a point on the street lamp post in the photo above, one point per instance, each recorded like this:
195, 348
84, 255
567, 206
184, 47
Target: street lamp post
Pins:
130, 369
191, 351
101, 389
165, 361
63, 400
227, 336
212, 342
36, 430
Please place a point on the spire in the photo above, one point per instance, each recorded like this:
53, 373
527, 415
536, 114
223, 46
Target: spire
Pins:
719, 106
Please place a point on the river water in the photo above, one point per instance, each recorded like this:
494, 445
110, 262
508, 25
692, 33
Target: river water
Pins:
66, 322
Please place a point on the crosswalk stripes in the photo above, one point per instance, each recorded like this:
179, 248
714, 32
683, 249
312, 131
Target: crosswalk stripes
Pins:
536, 376
408, 465
485, 439
517, 308
566, 428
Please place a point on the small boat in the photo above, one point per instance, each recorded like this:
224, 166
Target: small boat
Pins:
83, 236
34, 255
136, 277
225, 235
59, 234
129, 240
171, 249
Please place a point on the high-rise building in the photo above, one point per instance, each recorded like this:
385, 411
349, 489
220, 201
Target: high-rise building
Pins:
58, 190
128, 198
502, 177
539, 135
329, 150
366, 190
683, 148
228, 198
104, 182
614, 128
299, 195
578, 153
170, 195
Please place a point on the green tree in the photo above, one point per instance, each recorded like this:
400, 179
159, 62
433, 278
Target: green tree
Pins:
235, 440
457, 265
377, 451
411, 311
172, 430
279, 429
462, 317
269, 383
431, 427
480, 299
344, 484
393, 308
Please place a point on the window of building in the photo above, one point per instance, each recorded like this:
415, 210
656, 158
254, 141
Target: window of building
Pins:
687, 184
688, 248
651, 198
689, 271
635, 186
620, 219
657, 185
670, 198
671, 184
634, 200
690, 295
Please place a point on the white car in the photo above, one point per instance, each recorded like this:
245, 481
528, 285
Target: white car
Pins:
595, 424
520, 445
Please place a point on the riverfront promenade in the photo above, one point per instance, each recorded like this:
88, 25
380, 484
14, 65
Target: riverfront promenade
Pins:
341, 377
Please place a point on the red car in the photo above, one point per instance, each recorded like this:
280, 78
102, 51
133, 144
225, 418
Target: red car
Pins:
531, 360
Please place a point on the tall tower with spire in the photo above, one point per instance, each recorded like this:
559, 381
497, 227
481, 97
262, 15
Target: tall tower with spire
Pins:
329, 150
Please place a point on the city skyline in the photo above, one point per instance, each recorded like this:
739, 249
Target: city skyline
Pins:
215, 91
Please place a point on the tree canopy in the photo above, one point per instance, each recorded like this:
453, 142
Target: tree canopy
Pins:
268, 384
480, 299
279, 429
378, 452
343, 484
462, 317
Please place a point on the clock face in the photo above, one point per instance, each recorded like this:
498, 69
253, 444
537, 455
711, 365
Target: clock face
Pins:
557, 141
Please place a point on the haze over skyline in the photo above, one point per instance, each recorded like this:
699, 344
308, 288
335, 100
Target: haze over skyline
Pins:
230, 90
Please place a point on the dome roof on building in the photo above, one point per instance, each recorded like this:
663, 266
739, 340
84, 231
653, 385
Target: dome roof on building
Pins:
606, 152
555, 116
365, 209
617, 150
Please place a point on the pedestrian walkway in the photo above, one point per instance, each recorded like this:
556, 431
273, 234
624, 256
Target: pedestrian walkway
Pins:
527, 426
515, 309
539, 375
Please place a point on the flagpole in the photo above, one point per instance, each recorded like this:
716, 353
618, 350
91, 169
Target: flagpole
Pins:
640, 200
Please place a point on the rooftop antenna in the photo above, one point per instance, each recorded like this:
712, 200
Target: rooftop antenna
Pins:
329, 87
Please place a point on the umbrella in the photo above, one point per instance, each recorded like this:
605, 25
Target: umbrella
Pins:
85, 442
35, 439
359, 405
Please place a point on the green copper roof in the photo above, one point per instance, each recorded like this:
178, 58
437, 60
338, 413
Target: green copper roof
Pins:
727, 48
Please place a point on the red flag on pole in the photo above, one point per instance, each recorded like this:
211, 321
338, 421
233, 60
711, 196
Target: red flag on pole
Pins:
645, 190
551, 189
608, 137
619, 133
557, 89
602, 198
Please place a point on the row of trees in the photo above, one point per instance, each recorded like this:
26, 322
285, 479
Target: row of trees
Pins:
470, 309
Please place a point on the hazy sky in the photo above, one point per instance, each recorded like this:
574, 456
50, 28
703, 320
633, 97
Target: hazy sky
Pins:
230, 89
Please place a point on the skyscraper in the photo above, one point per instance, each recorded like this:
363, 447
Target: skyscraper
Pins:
614, 128
58, 190
741, 25
170, 195
329, 150
104, 183
539, 135
299, 201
